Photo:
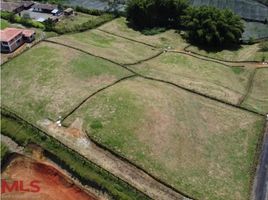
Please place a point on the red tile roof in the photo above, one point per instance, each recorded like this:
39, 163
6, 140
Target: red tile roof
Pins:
28, 32
9, 33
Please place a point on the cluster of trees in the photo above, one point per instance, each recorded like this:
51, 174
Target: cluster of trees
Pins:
204, 25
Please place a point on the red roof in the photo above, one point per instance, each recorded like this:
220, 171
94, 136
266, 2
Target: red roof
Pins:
9, 33
28, 32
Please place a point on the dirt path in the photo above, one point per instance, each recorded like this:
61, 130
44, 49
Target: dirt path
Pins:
12, 146
261, 179
127, 172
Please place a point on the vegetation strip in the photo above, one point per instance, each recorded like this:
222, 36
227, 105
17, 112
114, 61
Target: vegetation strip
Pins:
127, 38
218, 59
91, 95
249, 87
201, 57
88, 173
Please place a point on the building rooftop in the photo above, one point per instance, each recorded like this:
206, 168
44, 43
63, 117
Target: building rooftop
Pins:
10, 6
28, 32
44, 6
9, 33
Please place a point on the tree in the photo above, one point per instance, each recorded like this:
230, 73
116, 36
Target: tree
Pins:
213, 27
156, 13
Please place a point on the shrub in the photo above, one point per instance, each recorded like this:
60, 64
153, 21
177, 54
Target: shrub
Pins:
96, 124
213, 27
156, 13
264, 46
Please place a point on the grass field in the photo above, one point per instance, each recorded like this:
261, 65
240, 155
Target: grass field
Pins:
212, 79
108, 46
245, 53
49, 80
72, 21
258, 96
186, 140
166, 39
4, 24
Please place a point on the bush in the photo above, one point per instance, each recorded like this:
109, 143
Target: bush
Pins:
213, 27
11, 17
83, 27
264, 46
153, 31
88, 11
156, 13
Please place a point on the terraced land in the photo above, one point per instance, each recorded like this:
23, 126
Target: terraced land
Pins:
257, 98
157, 113
186, 140
168, 38
49, 80
105, 45
215, 80
245, 53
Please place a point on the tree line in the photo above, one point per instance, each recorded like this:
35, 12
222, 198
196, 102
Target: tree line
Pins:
204, 25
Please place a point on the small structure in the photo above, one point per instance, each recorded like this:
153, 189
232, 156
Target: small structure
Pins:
16, 7
13, 38
11, 7
68, 11
44, 8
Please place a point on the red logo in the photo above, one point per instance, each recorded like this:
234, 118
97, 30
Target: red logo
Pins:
19, 186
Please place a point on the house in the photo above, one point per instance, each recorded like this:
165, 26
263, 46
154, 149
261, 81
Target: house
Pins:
13, 38
44, 8
15, 7
68, 11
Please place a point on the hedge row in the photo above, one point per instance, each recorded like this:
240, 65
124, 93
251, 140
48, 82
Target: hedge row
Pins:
93, 23
87, 172
11, 17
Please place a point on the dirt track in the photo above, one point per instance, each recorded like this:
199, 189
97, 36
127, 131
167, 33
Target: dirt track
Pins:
116, 166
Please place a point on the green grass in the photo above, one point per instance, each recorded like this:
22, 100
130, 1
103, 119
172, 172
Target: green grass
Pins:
107, 46
49, 80
87, 172
167, 38
4, 24
215, 80
4, 151
258, 97
244, 53
186, 140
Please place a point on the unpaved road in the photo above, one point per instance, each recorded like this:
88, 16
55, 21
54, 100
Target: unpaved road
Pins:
127, 172
261, 179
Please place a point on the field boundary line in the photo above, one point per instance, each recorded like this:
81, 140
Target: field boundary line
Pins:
204, 58
127, 38
249, 87
96, 92
218, 59
203, 95
251, 83
160, 80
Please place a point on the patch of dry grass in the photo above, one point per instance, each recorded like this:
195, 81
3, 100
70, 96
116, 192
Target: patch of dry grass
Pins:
204, 148
168, 38
258, 96
49, 80
215, 80
108, 46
